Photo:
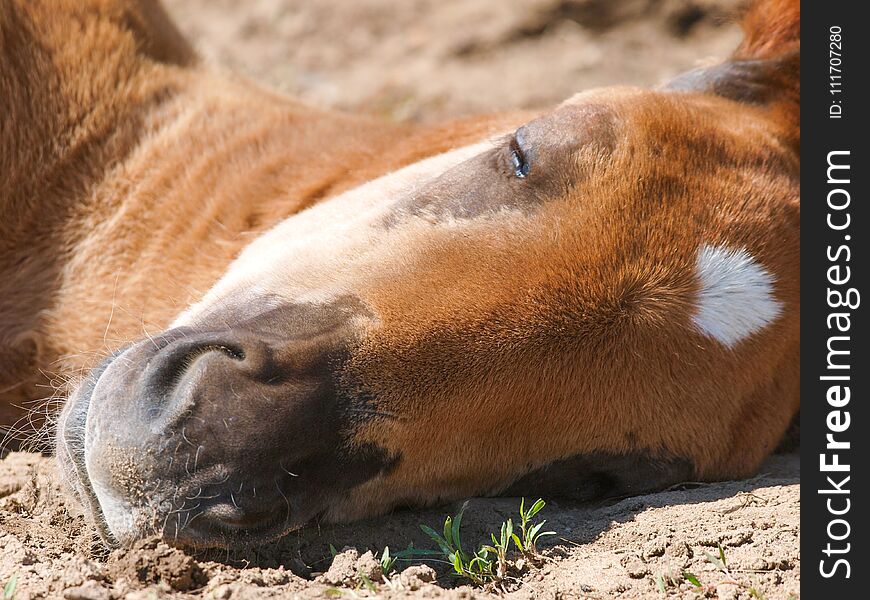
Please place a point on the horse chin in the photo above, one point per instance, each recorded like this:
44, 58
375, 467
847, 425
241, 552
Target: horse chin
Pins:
70, 451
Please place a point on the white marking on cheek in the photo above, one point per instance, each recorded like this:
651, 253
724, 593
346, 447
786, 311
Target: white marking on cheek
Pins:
736, 297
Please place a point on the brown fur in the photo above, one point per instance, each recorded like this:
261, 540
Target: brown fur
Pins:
599, 359
773, 34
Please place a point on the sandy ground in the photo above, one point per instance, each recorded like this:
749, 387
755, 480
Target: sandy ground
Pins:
631, 549
428, 59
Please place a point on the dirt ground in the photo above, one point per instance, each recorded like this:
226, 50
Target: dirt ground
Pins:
631, 549
422, 60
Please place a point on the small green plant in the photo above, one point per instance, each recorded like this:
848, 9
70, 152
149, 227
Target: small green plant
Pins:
719, 562
500, 547
692, 578
388, 562
667, 579
9, 588
364, 580
661, 584
528, 545
491, 562
476, 567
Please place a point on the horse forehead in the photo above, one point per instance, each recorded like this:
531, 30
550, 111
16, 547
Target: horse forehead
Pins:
575, 125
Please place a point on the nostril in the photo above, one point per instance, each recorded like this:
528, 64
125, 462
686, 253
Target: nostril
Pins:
168, 367
233, 352
181, 362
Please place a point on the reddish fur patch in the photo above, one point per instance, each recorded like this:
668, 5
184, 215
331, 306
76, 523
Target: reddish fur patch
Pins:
772, 28
773, 31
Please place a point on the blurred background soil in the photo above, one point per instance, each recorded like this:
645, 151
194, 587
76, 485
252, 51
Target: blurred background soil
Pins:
429, 59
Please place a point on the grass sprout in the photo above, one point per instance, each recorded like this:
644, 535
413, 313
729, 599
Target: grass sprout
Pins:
490, 563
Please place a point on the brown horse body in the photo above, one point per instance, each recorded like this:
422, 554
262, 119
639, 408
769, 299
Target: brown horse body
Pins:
608, 298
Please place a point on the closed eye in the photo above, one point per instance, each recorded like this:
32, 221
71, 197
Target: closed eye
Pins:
519, 162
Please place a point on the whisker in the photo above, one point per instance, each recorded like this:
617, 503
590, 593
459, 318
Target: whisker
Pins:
184, 437
196, 457
111, 312
196, 496
289, 511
